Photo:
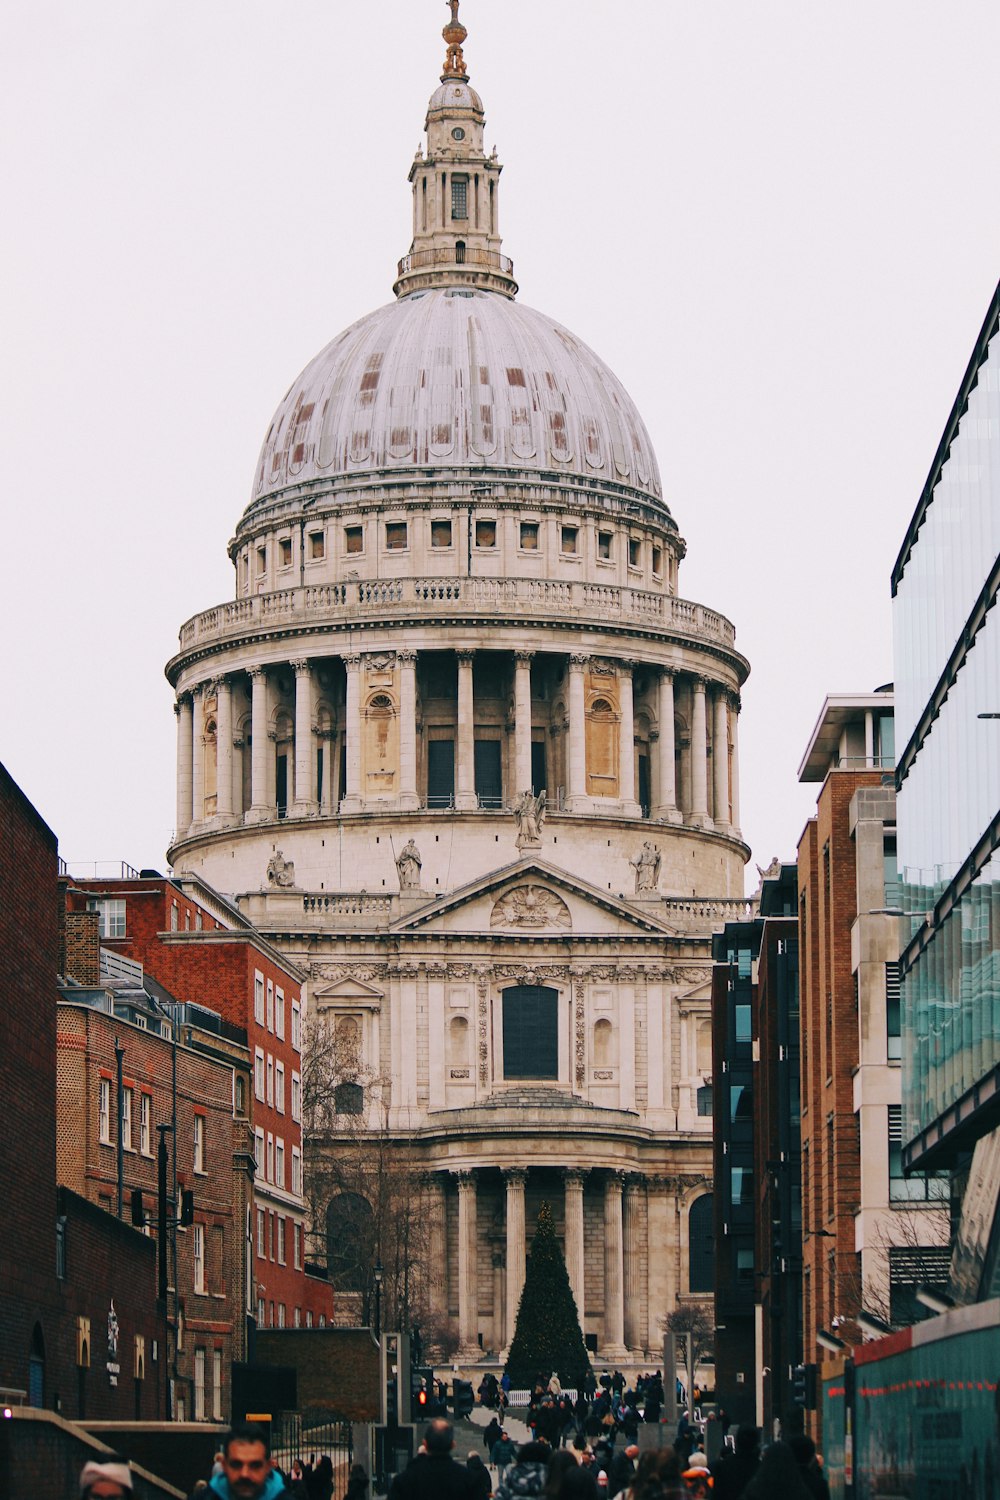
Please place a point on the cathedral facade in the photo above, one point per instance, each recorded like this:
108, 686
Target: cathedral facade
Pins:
461, 750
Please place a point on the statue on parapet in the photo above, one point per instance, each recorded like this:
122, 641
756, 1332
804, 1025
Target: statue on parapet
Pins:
408, 864
280, 871
529, 811
647, 868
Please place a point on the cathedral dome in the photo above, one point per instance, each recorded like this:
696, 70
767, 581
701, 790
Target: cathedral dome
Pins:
456, 377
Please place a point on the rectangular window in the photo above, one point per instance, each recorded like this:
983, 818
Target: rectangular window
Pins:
296, 1097
297, 1318
530, 1032
296, 1170
270, 1236
657, 561
104, 1112
309, 1318
285, 552
317, 546
217, 1385
570, 540
198, 1255
199, 1143
297, 1245
281, 1239
261, 1233
296, 1026
281, 1315
270, 1080
270, 1005
270, 1157
110, 917
279, 1087
529, 536
440, 533
175, 918
279, 1013
199, 1385
127, 1097
486, 533
634, 552
354, 539
742, 1023
395, 536
893, 1019
258, 1151
604, 543
260, 1312
258, 998
279, 1161
261, 561
459, 197
919, 1187
258, 1072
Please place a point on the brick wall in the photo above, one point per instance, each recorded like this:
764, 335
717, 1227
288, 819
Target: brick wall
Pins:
42, 1455
337, 1368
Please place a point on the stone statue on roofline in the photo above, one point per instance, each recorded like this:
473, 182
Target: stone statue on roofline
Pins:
529, 811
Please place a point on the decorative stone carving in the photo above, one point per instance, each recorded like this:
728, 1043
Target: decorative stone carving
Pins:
532, 907
580, 1034
646, 867
529, 811
280, 871
408, 864
483, 1029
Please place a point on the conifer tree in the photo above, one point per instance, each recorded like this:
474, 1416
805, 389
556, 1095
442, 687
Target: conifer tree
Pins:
547, 1335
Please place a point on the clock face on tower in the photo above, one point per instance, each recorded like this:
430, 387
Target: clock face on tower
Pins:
458, 134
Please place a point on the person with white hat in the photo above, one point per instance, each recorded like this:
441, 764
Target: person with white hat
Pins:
111, 1480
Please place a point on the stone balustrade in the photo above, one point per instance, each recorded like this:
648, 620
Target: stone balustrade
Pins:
700, 914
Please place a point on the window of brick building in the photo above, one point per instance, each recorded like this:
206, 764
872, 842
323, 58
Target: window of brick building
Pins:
199, 1143
281, 1240
270, 1005
128, 1099
296, 1097
296, 1026
216, 1385
110, 917
279, 1161
261, 1233
279, 1087
258, 1072
279, 1013
146, 1124
104, 1112
258, 998
199, 1385
198, 1255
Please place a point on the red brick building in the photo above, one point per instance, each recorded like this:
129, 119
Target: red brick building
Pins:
204, 953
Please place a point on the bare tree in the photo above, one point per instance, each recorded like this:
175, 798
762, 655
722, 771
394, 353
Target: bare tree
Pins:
696, 1321
919, 1236
367, 1203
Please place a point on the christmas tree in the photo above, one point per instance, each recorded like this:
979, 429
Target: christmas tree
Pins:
547, 1336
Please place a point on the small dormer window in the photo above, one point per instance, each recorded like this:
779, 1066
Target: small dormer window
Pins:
460, 197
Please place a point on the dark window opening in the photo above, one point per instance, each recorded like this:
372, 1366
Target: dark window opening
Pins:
701, 1245
440, 773
530, 1032
460, 198
354, 539
489, 781
569, 539
395, 535
529, 536
440, 533
486, 533
604, 545
634, 552
645, 794
281, 785
538, 781
348, 1098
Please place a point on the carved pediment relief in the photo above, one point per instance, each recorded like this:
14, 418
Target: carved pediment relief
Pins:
346, 993
530, 907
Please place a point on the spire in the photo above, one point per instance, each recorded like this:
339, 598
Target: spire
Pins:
456, 231
454, 34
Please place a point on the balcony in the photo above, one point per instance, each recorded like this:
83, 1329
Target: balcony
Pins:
424, 600
491, 260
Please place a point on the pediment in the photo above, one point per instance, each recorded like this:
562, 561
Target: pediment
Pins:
346, 991
531, 898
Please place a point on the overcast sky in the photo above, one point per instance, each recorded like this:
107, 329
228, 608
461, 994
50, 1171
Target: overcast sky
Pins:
777, 222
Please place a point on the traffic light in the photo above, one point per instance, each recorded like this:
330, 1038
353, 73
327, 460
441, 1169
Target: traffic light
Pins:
420, 1392
462, 1401
392, 1400
138, 1212
804, 1386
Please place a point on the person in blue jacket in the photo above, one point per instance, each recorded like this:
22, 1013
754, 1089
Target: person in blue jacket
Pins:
247, 1472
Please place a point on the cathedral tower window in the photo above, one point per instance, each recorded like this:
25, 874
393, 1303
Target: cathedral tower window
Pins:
354, 539
634, 552
460, 197
317, 545
570, 539
530, 1032
486, 533
604, 545
285, 552
395, 536
529, 536
440, 533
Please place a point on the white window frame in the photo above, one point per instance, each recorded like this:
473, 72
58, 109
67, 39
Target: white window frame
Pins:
128, 1099
258, 1073
296, 1171
270, 1005
258, 997
280, 1232
296, 1096
198, 1256
110, 916
281, 1315
296, 1026
279, 1086
199, 1143
199, 1385
261, 1234
279, 1013
279, 1160
258, 1151
297, 1246
104, 1112
146, 1124
216, 1385
270, 1081
269, 1167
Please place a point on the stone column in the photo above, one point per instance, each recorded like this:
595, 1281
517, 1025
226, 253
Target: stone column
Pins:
198, 755
633, 1266
437, 1281
259, 808
468, 1281
626, 754
522, 722
734, 710
465, 749
352, 731
185, 746
408, 798
327, 739
224, 750
304, 802
699, 755
573, 1179
613, 1342
667, 810
720, 758
661, 1234
514, 1180
576, 756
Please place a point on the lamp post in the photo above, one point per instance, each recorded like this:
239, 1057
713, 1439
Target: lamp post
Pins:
377, 1278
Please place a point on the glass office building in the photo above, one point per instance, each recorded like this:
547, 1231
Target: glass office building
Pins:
947, 699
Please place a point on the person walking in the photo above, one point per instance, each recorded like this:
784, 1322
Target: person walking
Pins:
433, 1474
528, 1475
733, 1471
502, 1454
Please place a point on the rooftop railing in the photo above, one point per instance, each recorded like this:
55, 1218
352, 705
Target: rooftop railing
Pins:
492, 259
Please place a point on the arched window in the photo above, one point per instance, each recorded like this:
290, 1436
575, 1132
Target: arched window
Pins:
602, 749
350, 1242
347, 1045
211, 768
603, 1041
530, 1032
282, 762
458, 1043
701, 1245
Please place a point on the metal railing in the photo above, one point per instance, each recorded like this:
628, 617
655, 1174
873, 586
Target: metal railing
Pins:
317, 604
449, 256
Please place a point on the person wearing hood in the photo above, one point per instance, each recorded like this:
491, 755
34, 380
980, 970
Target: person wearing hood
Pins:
110, 1479
733, 1471
482, 1479
528, 1475
247, 1471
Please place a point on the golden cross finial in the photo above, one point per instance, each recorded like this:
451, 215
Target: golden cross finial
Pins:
454, 34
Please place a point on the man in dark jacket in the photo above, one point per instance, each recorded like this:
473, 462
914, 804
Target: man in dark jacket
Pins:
433, 1474
732, 1473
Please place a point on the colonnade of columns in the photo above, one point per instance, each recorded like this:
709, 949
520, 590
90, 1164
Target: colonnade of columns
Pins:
706, 803
623, 1243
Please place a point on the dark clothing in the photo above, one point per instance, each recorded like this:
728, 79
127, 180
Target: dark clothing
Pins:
733, 1473
433, 1476
492, 1435
524, 1478
621, 1473
482, 1478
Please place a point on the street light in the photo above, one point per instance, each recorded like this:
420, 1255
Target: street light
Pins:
377, 1278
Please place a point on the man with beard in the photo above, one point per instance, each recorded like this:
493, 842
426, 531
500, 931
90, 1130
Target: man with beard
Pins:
247, 1472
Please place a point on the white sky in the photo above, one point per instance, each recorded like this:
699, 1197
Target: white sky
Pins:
776, 220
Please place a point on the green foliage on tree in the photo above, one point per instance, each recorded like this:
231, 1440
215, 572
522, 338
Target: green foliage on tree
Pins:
547, 1336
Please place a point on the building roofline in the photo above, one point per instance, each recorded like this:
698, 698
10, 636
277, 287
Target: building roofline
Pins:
837, 709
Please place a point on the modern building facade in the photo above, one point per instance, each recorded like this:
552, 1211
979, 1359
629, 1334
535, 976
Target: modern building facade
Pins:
947, 662
870, 1235
758, 1216
462, 752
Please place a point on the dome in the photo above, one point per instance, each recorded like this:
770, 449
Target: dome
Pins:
455, 377
454, 94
